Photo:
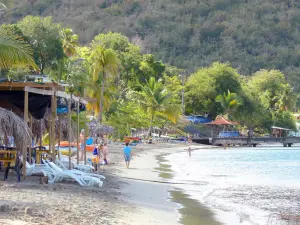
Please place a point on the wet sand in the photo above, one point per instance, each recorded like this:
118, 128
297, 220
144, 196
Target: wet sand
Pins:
149, 186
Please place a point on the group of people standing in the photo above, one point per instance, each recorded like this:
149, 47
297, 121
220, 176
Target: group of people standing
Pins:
100, 153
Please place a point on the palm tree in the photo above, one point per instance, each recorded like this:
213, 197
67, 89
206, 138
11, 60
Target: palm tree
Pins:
69, 41
15, 52
229, 102
287, 100
94, 92
104, 64
157, 101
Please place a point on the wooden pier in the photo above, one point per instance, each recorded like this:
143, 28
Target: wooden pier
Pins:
254, 141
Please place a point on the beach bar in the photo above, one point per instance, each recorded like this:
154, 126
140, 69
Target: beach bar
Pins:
31, 100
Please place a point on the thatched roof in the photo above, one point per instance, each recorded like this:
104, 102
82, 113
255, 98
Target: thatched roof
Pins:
13, 125
96, 128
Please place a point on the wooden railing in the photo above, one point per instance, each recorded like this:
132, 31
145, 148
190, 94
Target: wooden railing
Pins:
286, 141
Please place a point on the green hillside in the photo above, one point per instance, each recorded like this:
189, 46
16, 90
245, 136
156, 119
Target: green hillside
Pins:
250, 34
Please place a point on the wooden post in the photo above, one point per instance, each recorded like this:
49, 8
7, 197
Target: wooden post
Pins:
41, 134
30, 153
53, 109
59, 133
77, 133
69, 130
50, 130
84, 147
24, 148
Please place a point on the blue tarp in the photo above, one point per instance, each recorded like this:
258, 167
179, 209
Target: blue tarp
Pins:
229, 134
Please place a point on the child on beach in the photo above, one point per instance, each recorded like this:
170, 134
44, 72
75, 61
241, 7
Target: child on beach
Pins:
127, 154
95, 159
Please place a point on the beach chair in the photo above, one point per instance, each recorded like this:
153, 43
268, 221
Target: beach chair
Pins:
78, 172
41, 169
83, 180
88, 180
81, 167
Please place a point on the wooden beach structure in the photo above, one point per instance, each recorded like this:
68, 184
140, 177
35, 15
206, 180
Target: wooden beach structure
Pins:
280, 131
221, 124
31, 100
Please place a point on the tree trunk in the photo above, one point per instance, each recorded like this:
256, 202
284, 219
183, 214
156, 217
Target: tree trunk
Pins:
150, 127
162, 128
101, 100
251, 131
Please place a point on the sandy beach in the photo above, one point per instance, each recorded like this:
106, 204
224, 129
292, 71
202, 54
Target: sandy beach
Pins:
139, 195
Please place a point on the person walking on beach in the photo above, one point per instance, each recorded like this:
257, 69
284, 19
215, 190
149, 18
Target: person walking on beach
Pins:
127, 154
105, 152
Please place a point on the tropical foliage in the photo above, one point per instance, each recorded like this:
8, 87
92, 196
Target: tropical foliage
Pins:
14, 52
229, 102
250, 35
129, 89
155, 99
69, 41
104, 64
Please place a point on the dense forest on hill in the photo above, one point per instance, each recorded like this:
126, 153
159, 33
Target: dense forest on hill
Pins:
249, 34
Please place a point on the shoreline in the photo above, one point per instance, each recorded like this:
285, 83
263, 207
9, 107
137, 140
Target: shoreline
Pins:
187, 210
192, 211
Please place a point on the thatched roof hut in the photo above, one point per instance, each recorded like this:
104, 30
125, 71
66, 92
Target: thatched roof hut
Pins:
96, 128
13, 125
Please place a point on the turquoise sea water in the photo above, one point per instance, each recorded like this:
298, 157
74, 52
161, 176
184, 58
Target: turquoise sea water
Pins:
242, 185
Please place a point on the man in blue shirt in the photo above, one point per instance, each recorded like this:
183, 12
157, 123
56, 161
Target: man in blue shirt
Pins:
127, 154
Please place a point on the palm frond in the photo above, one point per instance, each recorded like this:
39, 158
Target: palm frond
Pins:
15, 52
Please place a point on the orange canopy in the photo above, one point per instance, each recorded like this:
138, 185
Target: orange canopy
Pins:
222, 121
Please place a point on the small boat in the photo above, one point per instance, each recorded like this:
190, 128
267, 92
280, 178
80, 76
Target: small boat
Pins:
64, 146
65, 150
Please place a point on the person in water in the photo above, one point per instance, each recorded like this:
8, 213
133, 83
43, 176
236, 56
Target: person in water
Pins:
127, 154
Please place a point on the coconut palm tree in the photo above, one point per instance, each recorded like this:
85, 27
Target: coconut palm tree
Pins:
287, 100
69, 41
229, 102
94, 92
15, 52
156, 99
104, 65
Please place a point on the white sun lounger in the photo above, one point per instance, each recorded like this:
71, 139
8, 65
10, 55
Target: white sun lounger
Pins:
81, 167
45, 169
83, 180
75, 171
